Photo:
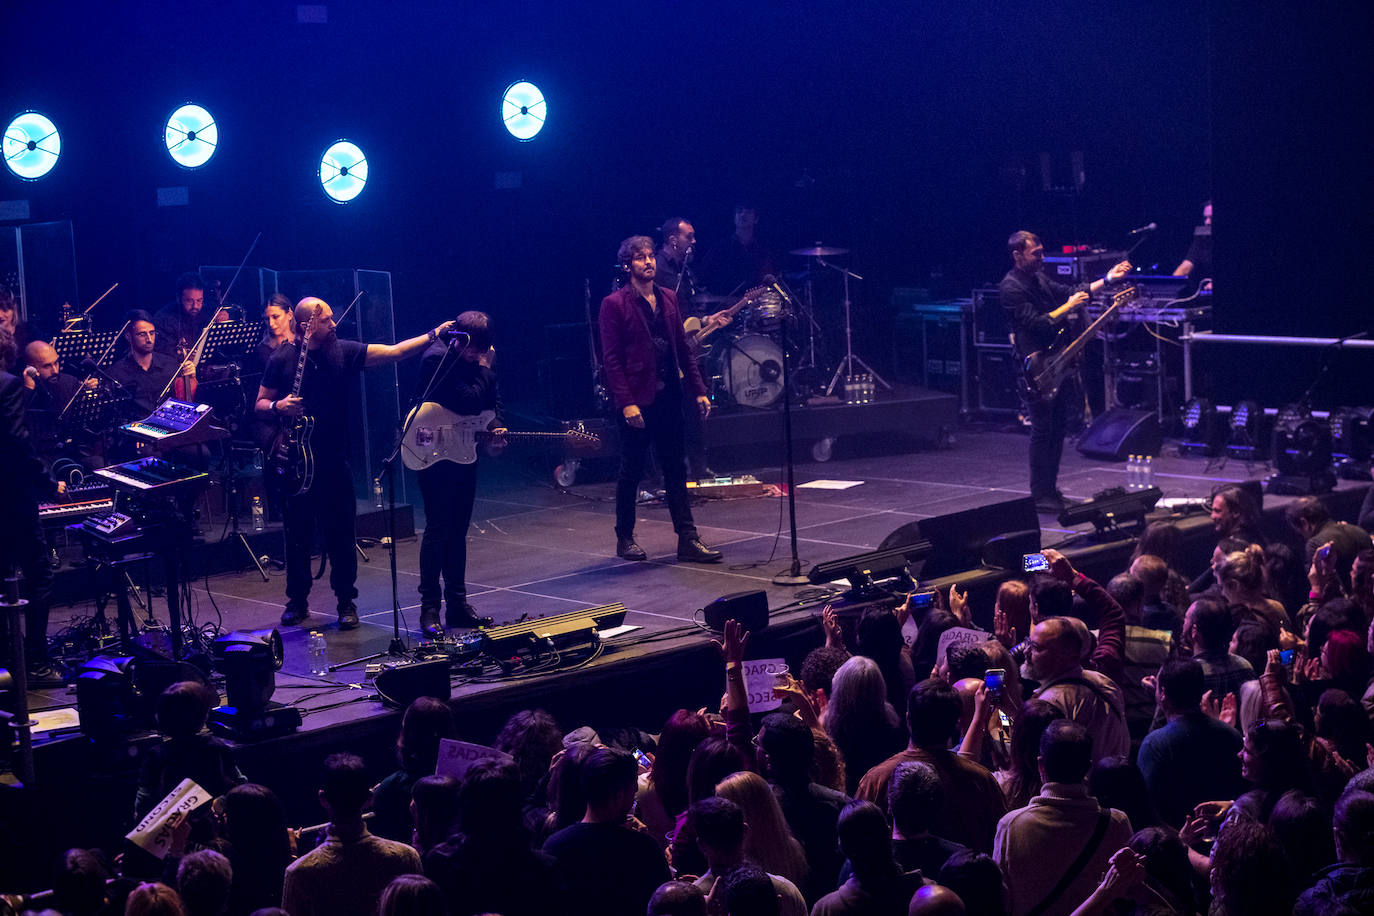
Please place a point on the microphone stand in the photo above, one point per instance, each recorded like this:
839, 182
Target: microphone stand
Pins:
397, 649
793, 576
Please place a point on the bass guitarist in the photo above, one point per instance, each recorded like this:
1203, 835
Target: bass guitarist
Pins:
459, 376
331, 367
1039, 311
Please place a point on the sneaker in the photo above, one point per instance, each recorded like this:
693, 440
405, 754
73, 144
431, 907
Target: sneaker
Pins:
295, 612
45, 676
348, 616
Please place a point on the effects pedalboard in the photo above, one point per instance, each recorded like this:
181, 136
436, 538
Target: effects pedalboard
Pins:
725, 487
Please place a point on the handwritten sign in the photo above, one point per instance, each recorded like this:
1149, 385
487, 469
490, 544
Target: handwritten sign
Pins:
760, 677
959, 635
456, 757
165, 828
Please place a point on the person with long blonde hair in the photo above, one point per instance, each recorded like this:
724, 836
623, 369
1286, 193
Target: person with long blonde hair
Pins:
769, 842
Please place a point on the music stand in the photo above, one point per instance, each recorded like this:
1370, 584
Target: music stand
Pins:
96, 409
75, 346
230, 339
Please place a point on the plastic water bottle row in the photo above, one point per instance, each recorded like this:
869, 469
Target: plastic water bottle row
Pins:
1140, 472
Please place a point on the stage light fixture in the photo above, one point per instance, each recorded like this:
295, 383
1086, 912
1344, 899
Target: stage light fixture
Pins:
105, 699
523, 110
32, 145
191, 136
249, 660
1112, 508
1302, 454
343, 171
1202, 431
1350, 433
1245, 423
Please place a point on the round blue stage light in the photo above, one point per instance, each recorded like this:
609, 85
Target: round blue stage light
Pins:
523, 110
343, 171
191, 136
31, 146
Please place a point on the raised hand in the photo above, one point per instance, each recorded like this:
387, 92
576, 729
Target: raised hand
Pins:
958, 605
830, 623
733, 643
1060, 567
1005, 633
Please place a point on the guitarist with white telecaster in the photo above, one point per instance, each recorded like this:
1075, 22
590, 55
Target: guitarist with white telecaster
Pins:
330, 367
1039, 311
460, 377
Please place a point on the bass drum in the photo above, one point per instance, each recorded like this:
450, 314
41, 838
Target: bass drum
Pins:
751, 368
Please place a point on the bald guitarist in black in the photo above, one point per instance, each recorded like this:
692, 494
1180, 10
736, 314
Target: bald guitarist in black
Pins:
1039, 311
330, 366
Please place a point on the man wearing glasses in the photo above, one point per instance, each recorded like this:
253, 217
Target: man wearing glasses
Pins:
145, 372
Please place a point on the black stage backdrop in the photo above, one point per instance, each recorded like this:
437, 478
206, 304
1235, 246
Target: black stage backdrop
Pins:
910, 133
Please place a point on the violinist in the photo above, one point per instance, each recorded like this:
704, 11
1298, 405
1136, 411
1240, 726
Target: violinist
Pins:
179, 323
145, 371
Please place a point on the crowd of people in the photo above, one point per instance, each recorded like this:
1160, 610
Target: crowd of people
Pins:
1160, 744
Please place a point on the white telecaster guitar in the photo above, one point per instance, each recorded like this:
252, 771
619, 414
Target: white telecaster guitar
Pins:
435, 433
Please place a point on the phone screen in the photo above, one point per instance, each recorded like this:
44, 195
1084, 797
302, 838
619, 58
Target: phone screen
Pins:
1035, 562
923, 600
993, 680
1286, 656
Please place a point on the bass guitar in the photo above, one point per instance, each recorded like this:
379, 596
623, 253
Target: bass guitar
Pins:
1044, 371
434, 433
291, 455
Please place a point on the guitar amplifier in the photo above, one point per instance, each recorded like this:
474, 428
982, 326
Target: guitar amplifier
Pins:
998, 373
990, 326
1082, 266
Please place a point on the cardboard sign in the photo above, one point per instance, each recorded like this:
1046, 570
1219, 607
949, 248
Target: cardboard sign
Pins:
760, 677
455, 757
165, 828
958, 635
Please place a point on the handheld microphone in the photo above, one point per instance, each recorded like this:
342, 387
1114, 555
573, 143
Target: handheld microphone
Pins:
1148, 227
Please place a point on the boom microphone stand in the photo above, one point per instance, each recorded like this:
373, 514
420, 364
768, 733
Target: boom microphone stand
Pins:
397, 649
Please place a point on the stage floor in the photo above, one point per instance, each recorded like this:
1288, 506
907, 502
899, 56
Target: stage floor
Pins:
536, 550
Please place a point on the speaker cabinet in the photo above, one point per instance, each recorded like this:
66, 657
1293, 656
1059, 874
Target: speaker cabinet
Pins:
749, 608
1120, 432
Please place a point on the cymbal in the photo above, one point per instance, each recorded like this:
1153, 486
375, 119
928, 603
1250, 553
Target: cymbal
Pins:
819, 251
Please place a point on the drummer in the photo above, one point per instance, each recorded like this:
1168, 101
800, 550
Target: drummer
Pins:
674, 259
742, 260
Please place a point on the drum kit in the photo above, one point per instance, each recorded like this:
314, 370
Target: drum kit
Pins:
745, 365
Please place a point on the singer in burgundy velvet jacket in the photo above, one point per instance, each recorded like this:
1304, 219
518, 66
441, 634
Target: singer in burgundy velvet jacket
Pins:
627, 351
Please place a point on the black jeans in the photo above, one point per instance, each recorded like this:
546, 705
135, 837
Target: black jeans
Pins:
663, 430
448, 490
330, 505
23, 547
1050, 421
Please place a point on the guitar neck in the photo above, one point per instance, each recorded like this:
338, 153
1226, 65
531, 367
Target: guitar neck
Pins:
1093, 329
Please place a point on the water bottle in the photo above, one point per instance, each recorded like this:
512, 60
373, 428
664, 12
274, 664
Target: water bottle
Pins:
1132, 472
259, 522
377, 492
319, 661
1149, 480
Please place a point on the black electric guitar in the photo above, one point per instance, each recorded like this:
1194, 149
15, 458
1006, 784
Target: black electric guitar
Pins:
1044, 371
291, 454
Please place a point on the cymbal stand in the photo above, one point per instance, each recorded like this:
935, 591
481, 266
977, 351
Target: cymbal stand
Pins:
846, 365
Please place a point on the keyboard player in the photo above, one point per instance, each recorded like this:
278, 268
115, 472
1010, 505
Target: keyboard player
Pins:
21, 538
